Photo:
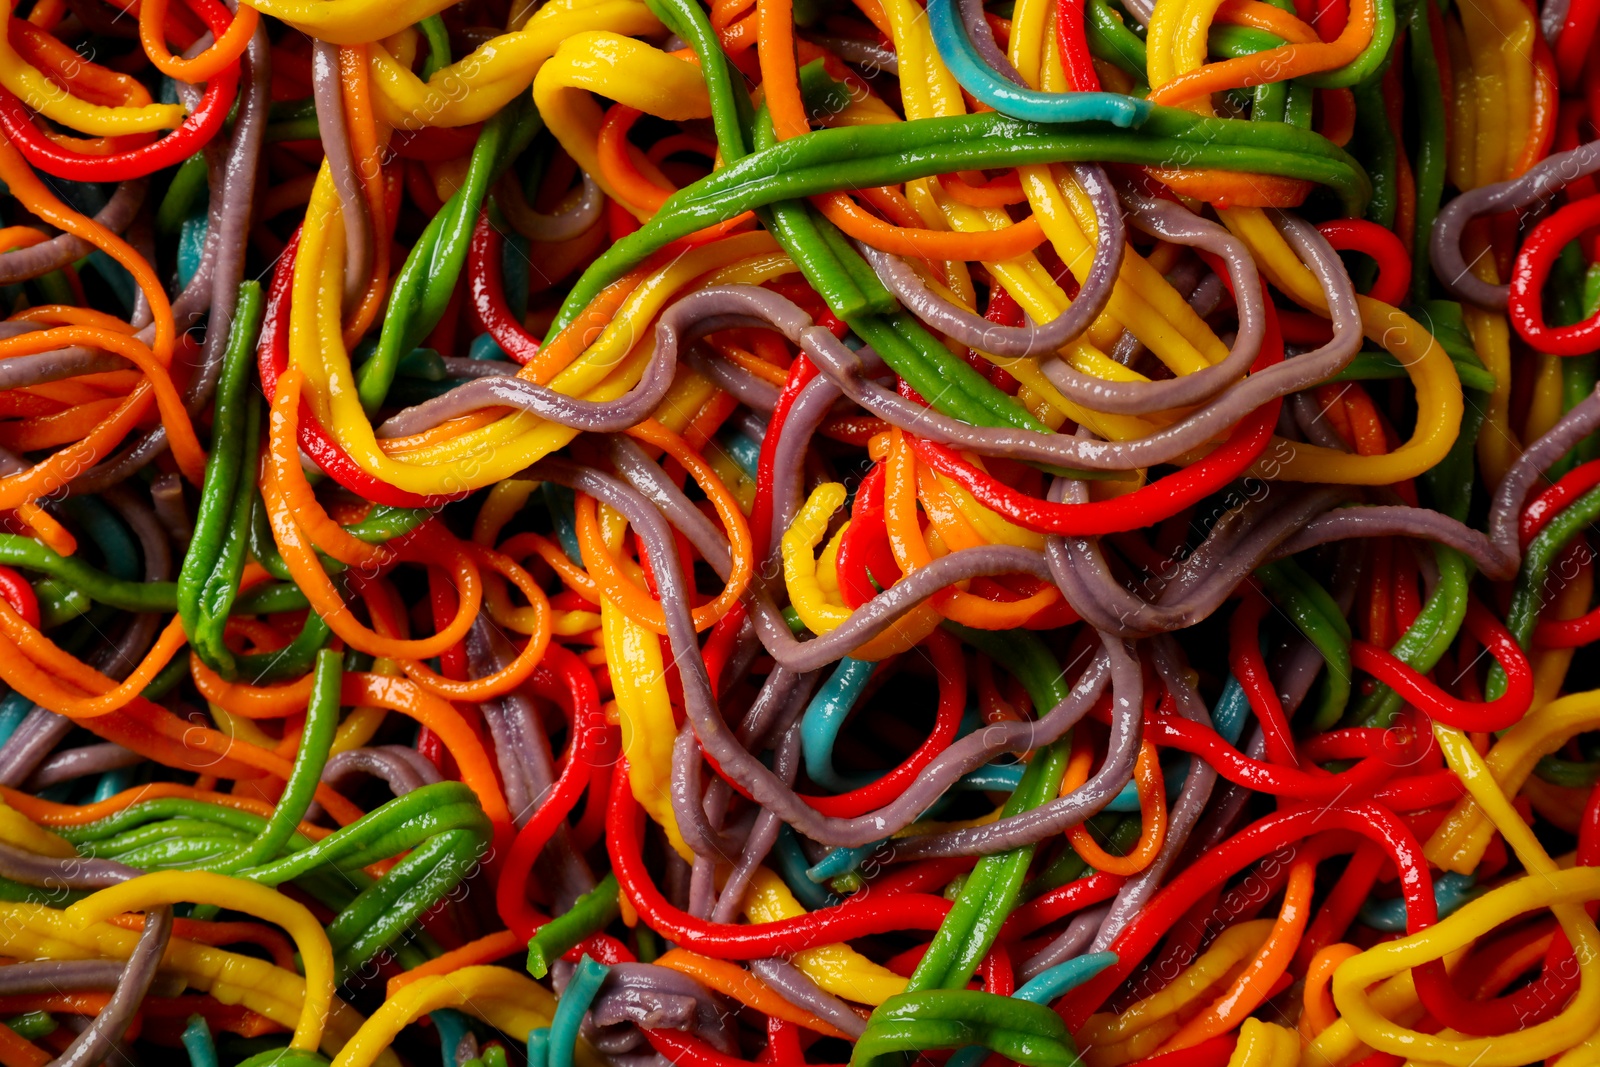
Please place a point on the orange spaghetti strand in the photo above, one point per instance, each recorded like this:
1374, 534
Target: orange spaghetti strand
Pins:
1001, 192
734, 524
487, 949
608, 575
581, 332
986, 245
1361, 415
47, 529
369, 690
306, 570
875, 14
50, 813
17, 1051
757, 366
1250, 988
362, 124
158, 734
709, 419
1078, 765
227, 49
1152, 801
955, 603
741, 36
1320, 1013
900, 521
307, 573
445, 431
735, 24
33, 651
1546, 102
1226, 188
630, 173
283, 481
493, 685
67, 315
573, 576
726, 12
48, 431
250, 701
47, 14
1273, 20
738, 983
780, 72
409, 699
32, 193
892, 204
12, 237
186, 450
1273, 65
65, 1003
113, 383
64, 464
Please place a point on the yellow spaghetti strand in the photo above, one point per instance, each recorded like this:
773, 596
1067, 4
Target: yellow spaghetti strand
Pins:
1439, 400
205, 887
625, 70
95, 120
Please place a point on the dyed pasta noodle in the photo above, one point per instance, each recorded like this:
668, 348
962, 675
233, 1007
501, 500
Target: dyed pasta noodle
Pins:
741, 533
